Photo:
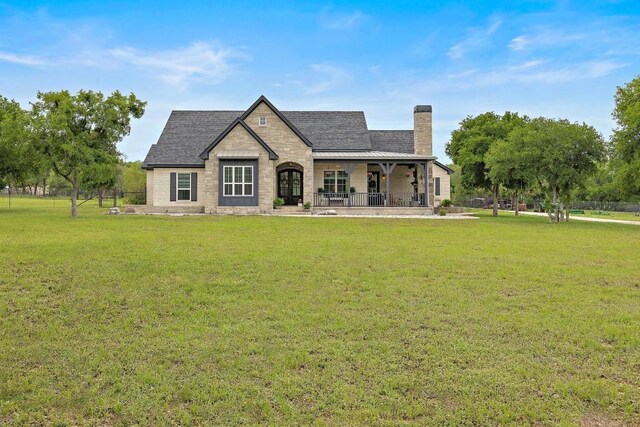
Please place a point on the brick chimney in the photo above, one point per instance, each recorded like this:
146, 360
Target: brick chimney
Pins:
422, 130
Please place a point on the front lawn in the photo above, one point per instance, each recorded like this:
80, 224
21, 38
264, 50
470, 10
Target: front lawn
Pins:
154, 320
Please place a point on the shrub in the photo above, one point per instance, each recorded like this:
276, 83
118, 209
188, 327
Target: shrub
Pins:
278, 201
307, 205
442, 212
446, 203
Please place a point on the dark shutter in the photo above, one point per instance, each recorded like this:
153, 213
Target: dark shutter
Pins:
172, 190
437, 186
194, 187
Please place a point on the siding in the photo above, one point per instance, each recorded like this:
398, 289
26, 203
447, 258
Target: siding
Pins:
159, 189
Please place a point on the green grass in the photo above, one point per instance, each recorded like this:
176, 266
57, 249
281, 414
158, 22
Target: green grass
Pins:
628, 216
152, 320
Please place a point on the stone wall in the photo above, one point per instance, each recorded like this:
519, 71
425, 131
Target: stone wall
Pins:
288, 146
239, 139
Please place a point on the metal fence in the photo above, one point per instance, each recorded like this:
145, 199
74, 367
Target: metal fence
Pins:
368, 199
111, 197
537, 205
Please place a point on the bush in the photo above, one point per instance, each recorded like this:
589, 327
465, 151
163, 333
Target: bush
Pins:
278, 201
446, 203
307, 205
442, 212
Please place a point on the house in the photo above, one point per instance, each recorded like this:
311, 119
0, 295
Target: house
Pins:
240, 161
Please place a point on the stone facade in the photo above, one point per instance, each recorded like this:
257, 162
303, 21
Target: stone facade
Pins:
277, 135
294, 153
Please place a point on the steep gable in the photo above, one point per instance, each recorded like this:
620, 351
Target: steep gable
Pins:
238, 123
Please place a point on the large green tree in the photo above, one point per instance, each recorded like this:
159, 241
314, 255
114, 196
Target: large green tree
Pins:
561, 155
508, 165
626, 139
80, 132
14, 141
470, 143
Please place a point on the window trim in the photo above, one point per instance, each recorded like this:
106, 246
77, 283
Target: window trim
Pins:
335, 183
233, 182
179, 189
260, 121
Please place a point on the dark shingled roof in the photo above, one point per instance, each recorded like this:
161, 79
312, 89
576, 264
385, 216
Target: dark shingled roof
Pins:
332, 130
396, 141
188, 133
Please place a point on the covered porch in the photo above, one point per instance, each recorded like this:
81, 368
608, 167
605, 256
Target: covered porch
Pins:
372, 180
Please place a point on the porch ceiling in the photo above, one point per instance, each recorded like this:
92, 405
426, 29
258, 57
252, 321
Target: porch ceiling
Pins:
373, 156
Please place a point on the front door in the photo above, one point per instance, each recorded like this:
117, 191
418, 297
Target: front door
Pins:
290, 186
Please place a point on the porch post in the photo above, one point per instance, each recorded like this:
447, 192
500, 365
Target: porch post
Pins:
349, 168
425, 173
426, 183
387, 168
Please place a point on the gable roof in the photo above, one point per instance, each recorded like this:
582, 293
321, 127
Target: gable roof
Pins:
189, 134
237, 122
184, 137
442, 166
279, 114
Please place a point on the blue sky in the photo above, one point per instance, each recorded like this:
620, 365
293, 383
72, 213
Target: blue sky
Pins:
549, 58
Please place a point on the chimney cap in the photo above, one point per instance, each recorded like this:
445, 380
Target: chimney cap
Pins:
422, 109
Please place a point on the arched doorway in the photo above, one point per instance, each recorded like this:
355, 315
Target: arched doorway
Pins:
290, 185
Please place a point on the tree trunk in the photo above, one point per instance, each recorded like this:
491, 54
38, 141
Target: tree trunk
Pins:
100, 197
44, 187
556, 205
517, 200
496, 194
566, 214
74, 200
35, 189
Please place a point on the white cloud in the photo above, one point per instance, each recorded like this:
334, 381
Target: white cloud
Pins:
200, 61
324, 77
21, 59
543, 37
342, 21
477, 38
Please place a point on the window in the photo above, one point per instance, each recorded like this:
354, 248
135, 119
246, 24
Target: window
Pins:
436, 181
262, 121
335, 181
184, 186
238, 180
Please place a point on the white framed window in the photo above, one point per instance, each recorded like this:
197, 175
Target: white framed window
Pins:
262, 120
238, 181
184, 186
335, 181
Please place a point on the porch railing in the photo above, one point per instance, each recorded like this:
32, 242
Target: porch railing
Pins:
368, 200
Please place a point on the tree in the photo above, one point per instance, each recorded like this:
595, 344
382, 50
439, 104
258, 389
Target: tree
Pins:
509, 166
626, 138
14, 140
134, 182
79, 132
561, 156
471, 142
